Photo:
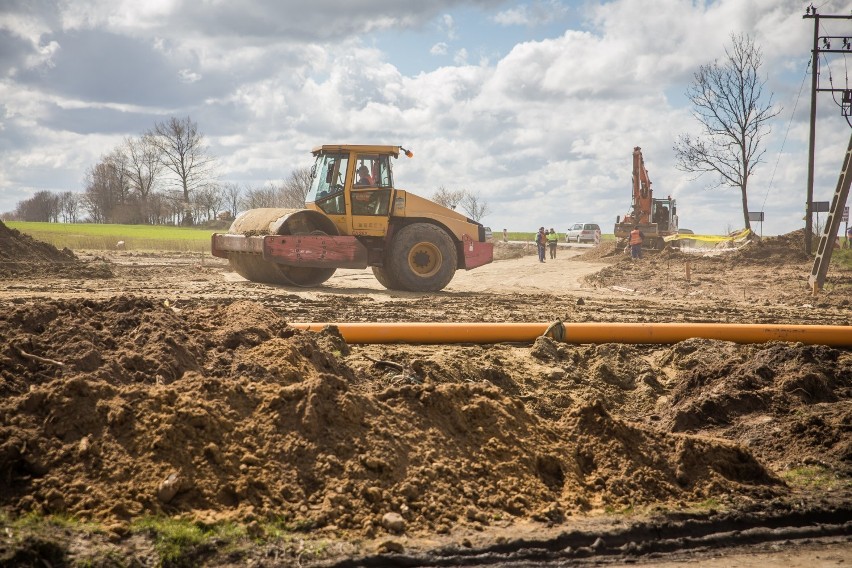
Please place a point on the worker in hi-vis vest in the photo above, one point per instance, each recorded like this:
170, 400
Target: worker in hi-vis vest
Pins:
636, 238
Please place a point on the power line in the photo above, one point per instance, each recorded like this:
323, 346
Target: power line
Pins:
784, 142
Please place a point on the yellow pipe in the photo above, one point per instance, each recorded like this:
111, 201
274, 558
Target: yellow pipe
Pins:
431, 332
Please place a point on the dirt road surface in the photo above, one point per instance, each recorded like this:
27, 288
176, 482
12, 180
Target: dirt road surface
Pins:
136, 384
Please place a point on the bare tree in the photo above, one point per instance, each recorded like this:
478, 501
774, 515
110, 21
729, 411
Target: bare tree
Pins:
448, 198
143, 168
255, 197
209, 200
474, 206
69, 206
730, 107
295, 188
233, 197
182, 151
103, 191
43, 206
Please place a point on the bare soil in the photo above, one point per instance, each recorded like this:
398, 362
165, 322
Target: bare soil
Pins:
136, 384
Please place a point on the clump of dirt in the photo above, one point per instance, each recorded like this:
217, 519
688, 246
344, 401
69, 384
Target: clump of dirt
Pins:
781, 249
761, 393
118, 408
22, 255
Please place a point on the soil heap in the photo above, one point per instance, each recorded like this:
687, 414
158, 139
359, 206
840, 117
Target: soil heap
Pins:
125, 407
22, 255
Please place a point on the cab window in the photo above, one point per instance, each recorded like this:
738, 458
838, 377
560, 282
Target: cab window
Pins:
372, 170
327, 183
370, 201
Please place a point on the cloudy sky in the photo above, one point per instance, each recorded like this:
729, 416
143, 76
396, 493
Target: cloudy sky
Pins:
536, 105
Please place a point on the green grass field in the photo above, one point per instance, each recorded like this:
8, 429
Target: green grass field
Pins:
92, 236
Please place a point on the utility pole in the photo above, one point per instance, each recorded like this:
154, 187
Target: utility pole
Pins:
811, 13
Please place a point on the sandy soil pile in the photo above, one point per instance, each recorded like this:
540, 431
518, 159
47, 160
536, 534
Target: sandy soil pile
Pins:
782, 249
504, 251
21, 255
607, 250
118, 408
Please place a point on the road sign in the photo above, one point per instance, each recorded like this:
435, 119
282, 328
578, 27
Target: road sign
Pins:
755, 216
845, 217
819, 206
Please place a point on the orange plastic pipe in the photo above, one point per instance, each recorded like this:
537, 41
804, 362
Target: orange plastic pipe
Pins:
431, 332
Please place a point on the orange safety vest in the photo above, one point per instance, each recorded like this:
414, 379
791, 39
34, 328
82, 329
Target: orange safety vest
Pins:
635, 237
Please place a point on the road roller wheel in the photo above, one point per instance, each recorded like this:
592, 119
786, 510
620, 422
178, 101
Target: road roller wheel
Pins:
253, 267
422, 258
383, 275
306, 277
280, 222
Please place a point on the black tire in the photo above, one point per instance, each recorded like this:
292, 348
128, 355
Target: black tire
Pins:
384, 277
422, 258
253, 267
306, 277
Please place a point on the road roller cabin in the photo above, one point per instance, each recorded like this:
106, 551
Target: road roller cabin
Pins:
355, 217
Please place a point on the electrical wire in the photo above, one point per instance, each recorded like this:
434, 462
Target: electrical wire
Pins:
789, 124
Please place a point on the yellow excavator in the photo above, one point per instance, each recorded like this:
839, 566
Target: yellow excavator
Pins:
355, 217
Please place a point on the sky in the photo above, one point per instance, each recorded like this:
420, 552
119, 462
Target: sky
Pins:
535, 106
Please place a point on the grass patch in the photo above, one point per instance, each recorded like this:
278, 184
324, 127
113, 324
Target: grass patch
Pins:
709, 503
842, 258
95, 236
34, 521
814, 477
180, 542
627, 511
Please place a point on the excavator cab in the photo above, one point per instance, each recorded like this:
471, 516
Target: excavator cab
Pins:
665, 215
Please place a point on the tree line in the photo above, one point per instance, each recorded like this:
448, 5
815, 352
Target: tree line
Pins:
164, 176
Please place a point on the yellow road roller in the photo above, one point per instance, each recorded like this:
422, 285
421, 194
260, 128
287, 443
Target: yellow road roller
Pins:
354, 217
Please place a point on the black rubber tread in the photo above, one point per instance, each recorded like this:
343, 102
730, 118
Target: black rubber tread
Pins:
253, 267
306, 277
407, 238
384, 277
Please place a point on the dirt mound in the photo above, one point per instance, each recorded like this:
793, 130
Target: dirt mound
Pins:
504, 251
783, 249
606, 250
21, 255
766, 392
113, 409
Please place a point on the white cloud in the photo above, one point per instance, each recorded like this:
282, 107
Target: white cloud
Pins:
448, 26
544, 132
189, 76
439, 48
535, 14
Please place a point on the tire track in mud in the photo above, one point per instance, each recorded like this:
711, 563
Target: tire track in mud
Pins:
639, 542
